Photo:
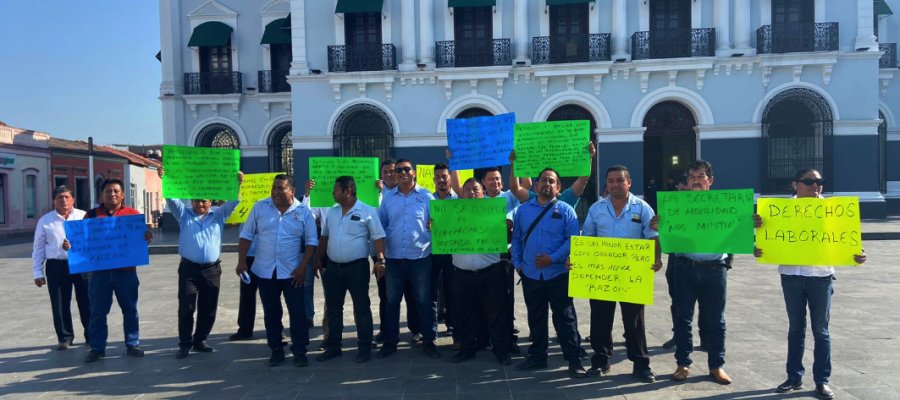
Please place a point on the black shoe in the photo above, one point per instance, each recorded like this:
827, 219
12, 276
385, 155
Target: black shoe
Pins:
135, 351
93, 356
277, 358
329, 354
300, 360
183, 353
240, 336
669, 344
504, 360
364, 354
645, 375
514, 349
789, 385
596, 371
823, 391
379, 337
64, 345
386, 351
577, 371
531, 364
202, 347
430, 350
462, 357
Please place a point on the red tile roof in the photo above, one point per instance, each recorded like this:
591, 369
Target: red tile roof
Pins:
79, 146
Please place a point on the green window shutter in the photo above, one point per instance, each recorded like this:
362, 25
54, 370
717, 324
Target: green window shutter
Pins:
274, 33
358, 6
211, 34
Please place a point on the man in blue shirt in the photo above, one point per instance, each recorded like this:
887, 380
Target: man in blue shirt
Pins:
621, 215
404, 215
199, 244
285, 234
540, 246
570, 196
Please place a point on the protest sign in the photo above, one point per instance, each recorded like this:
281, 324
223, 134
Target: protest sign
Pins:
200, 173
106, 243
561, 145
480, 142
324, 170
809, 231
255, 188
713, 221
425, 176
612, 269
468, 226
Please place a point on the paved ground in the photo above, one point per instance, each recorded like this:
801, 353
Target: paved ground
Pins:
865, 329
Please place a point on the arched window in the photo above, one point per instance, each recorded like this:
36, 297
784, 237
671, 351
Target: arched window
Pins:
474, 112
797, 128
882, 153
573, 112
281, 149
218, 136
363, 130
670, 144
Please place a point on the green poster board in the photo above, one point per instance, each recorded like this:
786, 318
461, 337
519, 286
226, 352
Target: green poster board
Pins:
561, 145
468, 226
200, 173
324, 170
712, 221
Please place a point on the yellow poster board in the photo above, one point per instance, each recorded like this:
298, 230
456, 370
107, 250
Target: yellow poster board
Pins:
612, 269
425, 176
809, 231
255, 188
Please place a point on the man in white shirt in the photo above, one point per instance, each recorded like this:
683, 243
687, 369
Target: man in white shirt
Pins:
50, 246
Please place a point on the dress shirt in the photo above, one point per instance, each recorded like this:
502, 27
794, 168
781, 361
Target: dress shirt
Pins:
511, 202
349, 235
200, 240
48, 238
404, 218
567, 196
280, 238
475, 262
452, 196
550, 236
632, 223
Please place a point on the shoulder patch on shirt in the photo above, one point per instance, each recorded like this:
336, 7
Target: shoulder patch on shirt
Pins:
636, 218
355, 217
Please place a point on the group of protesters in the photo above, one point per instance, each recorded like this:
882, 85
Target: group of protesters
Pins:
285, 244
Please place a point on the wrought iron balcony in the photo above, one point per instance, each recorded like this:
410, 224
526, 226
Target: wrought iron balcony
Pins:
673, 43
354, 58
274, 81
570, 49
488, 53
797, 37
212, 82
889, 58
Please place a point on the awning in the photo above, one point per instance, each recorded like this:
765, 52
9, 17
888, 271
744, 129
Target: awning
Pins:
287, 24
274, 34
210, 34
561, 2
358, 6
472, 3
881, 8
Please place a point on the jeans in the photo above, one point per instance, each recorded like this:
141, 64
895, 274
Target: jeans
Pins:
270, 293
412, 316
555, 293
308, 292
416, 273
102, 286
338, 279
198, 290
60, 284
815, 292
705, 284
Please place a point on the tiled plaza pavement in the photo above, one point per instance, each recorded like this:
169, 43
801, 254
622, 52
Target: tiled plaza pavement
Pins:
865, 326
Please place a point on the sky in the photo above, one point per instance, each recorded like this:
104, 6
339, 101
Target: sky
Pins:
79, 68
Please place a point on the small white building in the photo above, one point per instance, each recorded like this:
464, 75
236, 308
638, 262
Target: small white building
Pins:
24, 178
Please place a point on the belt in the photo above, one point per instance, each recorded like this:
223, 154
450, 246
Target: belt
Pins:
716, 263
354, 262
480, 271
189, 262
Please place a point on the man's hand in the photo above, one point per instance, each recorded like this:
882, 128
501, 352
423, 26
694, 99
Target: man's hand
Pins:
592, 149
40, 282
860, 258
66, 245
654, 223
512, 156
379, 184
543, 260
148, 236
160, 171
428, 225
241, 267
299, 276
240, 178
757, 252
757, 221
310, 185
320, 268
657, 265
568, 264
379, 269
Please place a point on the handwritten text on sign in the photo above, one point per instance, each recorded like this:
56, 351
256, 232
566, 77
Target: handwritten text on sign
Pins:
255, 188
324, 170
106, 243
612, 269
200, 173
714, 221
809, 231
468, 226
562, 145
481, 141
425, 176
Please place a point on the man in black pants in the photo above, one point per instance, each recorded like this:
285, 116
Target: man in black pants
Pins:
247, 302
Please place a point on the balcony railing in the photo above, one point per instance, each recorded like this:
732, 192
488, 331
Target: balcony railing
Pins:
570, 49
797, 37
673, 43
353, 58
889, 58
274, 81
212, 82
488, 53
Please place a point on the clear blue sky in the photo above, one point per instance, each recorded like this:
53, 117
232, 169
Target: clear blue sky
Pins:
76, 69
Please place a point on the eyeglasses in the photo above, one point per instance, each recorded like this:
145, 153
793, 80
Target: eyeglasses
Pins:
402, 170
809, 182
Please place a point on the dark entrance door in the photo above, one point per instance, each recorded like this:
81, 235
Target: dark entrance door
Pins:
569, 33
670, 144
793, 25
473, 30
670, 28
362, 33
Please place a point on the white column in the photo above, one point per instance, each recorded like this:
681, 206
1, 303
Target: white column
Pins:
619, 30
865, 26
408, 29
723, 28
520, 31
170, 89
299, 65
426, 34
742, 30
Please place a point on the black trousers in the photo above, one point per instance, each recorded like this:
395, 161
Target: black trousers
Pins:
555, 292
60, 284
602, 315
337, 280
247, 302
271, 292
442, 287
479, 293
198, 290
412, 315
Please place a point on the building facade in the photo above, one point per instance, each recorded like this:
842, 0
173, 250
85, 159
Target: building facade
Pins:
24, 172
759, 88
